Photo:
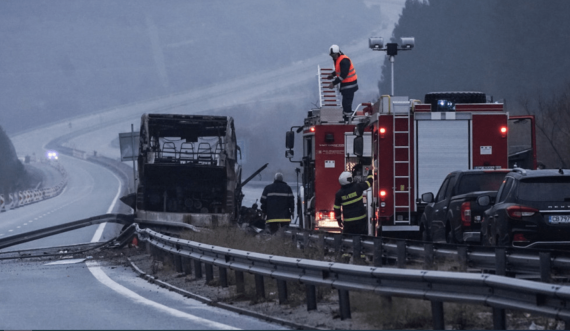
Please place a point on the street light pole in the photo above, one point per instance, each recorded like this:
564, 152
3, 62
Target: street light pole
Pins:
391, 49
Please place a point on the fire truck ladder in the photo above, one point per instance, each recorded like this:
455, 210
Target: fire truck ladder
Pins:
400, 176
327, 97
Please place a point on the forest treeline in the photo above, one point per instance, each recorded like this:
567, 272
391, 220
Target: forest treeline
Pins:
13, 175
514, 50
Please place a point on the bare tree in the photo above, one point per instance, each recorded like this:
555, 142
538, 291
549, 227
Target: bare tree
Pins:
553, 123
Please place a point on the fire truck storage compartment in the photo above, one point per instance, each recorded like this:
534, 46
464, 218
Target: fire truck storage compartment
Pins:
442, 147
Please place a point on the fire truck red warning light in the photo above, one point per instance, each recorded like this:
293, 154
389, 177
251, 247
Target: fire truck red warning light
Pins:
503, 131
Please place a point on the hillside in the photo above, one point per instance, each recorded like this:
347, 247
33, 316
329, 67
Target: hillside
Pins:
67, 58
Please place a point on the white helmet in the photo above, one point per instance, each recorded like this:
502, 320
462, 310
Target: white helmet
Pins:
345, 178
334, 49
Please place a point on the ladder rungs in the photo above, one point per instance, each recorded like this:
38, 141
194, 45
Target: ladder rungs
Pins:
401, 131
401, 161
401, 192
401, 146
401, 176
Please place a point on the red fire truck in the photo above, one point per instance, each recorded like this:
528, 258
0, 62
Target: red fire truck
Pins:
411, 147
327, 152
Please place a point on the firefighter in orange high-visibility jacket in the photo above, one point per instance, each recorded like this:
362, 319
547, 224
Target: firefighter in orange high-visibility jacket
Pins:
349, 198
278, 203
345, 75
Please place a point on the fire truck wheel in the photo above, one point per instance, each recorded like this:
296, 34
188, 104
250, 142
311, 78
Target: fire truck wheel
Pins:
455, 97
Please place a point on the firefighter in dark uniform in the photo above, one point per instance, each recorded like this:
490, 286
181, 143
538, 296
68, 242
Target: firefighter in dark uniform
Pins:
345, 75
349, 197
278, 203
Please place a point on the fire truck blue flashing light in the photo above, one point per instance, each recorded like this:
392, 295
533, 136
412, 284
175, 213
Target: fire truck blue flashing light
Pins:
445, 105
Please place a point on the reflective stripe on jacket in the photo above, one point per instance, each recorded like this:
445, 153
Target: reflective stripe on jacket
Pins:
277, 202
349, 197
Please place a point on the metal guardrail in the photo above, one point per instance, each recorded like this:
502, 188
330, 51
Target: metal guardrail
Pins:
438, 287
503, 260
22, 198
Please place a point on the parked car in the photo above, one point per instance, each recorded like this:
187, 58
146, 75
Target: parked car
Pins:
532, 209
454, 215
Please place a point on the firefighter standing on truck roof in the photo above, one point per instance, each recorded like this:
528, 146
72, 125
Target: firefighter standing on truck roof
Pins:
349, 197
346, 76
277, 203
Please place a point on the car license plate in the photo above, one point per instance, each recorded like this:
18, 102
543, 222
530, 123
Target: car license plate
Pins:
559, 219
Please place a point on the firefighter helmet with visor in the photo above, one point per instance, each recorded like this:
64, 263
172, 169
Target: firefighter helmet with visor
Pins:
345, 178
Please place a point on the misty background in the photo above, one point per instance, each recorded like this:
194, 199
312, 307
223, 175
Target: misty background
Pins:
62, 59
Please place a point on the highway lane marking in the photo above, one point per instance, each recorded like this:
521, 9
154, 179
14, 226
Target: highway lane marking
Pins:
99, 231
102, 277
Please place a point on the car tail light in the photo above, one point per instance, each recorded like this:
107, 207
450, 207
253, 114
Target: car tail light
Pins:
519, 237
382, 132
331, 215
466, 214
504, 131
382, 195
518, 212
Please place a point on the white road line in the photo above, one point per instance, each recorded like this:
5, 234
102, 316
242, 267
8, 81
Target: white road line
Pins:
105, 280
99, 231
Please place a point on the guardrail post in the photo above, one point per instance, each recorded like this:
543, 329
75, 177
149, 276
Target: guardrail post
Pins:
500, 261
197, 269
148, 248
401, 255
462, 257
177, 259
259, 286
437, 315
282, 291
377, 251
209, 272
356, 249
337, 245
240, 283
322, 247
306, 239
428, 255
545, 267
187, 266
344, 302
499, 319
223, 276
311, 291
499, 315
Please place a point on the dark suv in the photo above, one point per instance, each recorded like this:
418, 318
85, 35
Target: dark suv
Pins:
532, 209
453, 215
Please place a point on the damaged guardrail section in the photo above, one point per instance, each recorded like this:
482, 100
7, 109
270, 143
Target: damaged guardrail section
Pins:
438, 287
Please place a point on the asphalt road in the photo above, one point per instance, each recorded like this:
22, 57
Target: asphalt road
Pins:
90, 294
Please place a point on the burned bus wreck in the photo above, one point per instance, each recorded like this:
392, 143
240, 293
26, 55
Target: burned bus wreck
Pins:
188, 169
